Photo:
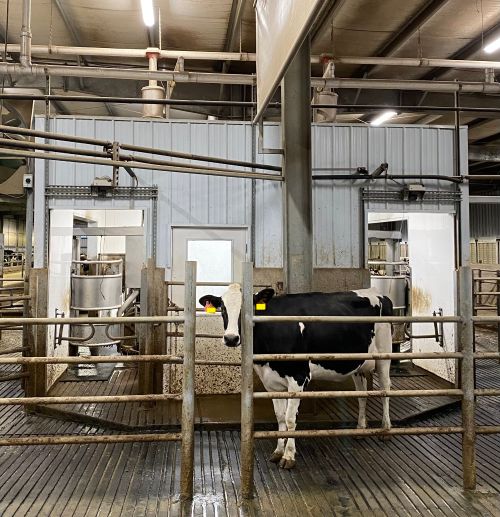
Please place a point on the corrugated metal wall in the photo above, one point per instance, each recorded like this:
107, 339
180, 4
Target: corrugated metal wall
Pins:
198, 200
484, 221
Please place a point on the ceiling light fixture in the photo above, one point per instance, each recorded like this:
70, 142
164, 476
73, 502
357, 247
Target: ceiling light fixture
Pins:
383, 117
148, 14
491, 47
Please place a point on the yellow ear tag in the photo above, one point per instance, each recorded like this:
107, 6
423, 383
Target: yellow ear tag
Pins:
260, 306
210, 308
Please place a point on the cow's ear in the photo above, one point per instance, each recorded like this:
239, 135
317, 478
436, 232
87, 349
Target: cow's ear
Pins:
263, 296
215, 301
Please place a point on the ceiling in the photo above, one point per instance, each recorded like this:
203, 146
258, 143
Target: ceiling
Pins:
415, 28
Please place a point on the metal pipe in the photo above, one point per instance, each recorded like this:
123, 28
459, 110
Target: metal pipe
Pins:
357, 394
14, 350
325, 433
25, 47
16, 70
93, 319
60, 50
356, 319
92, 360
128, 302
139, 165
81, 439
355, 357
91, 399
466, 340
247, 395
188, 383
452, 179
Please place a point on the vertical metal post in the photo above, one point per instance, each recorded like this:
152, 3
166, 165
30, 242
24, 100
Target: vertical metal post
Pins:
498, 309
467, 379
247, 439
187, 455
296, 134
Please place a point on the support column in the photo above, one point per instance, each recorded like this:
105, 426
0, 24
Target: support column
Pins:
296, 135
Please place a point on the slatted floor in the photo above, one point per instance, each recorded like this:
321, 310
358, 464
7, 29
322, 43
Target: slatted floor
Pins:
407, 476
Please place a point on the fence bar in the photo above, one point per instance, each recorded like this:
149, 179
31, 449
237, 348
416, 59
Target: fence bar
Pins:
108, 319
350, 357
486, 319
14, 350
488, 429
187, 423
93, 359
14, 376
247, 422
487, 392
357, 319
90, 399
324, 433
356, 394
80, 439
466, 338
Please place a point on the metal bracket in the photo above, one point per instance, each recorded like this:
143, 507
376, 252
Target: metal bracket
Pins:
58, 335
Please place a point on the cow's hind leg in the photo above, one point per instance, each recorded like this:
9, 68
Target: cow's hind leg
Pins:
361, 385
280, 406
292, 408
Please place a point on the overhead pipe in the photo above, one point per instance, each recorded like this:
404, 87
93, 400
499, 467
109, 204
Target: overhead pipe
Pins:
150, 150
15, 70
25, 47
61, 50
141, 165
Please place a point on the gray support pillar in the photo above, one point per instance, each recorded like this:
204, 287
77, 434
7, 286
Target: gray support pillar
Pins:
296, 134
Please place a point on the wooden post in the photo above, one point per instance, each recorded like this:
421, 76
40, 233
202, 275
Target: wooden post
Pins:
36, 385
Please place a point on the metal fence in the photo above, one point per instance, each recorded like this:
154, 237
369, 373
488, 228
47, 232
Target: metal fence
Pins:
185, 436
469, 429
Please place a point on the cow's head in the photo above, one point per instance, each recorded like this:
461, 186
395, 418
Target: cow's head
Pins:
230, 308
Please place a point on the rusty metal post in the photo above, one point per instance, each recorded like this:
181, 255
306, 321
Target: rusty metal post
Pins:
465, 328
247, 422
187, 457
498, 309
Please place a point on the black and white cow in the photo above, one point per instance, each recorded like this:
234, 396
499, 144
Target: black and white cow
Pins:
293, 337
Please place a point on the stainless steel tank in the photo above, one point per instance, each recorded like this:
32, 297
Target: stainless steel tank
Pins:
394, 287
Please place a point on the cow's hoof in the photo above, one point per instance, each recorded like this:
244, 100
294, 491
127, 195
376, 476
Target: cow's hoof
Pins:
276, 457
287, 464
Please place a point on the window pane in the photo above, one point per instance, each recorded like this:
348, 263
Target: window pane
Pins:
214, 258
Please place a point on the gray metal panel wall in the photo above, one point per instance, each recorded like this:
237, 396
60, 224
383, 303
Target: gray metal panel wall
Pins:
199, 200
484, 221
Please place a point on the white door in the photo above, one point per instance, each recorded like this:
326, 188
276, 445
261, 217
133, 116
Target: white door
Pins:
219, 253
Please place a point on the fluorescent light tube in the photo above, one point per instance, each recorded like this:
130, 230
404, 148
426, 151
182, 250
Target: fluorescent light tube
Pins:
148, 14
491, 47
383, 117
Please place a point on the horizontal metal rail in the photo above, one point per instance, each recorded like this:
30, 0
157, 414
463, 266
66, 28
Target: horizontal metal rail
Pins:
353, 356
108, 319
82, 439
14, 350
324, 433
357, 394
356, 319
90, 399
13, 376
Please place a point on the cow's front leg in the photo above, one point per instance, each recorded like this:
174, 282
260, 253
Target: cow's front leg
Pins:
292, 408
280, 412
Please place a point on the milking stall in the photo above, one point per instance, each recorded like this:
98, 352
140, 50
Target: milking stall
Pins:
249, 258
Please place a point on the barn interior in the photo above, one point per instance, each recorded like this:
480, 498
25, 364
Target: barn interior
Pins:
186, 131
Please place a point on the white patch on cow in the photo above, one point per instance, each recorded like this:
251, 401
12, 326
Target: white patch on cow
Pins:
318, 373
270, 378
232, 300
301, 327
372, 294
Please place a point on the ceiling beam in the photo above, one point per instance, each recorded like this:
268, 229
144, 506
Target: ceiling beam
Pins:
465, 52
77, 40
327, 14
404, 34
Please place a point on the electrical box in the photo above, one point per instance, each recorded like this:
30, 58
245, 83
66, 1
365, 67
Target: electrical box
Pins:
28, 180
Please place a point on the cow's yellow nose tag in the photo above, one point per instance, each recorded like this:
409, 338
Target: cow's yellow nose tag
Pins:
210, 309
260, 306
